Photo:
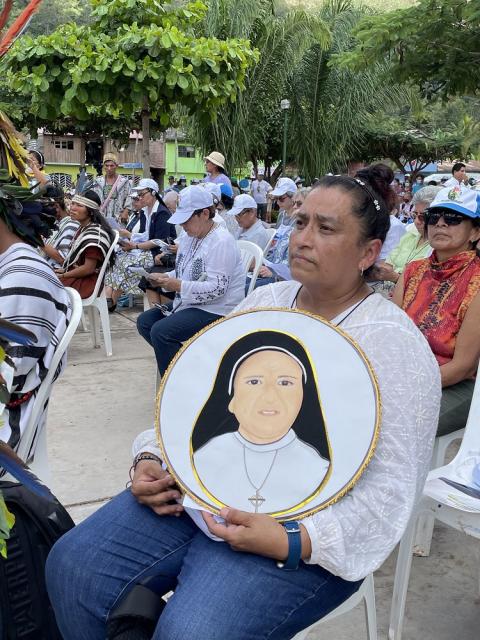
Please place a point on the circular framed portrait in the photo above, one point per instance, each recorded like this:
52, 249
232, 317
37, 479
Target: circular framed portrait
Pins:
271, 411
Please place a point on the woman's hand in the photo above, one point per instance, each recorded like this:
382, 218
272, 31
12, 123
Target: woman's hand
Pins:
166, 283
158, 259
128, 246
265, 272
124, 233
59, 272
250, 532
155, 488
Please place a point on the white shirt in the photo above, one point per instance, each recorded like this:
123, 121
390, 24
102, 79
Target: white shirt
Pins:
229, 465
354, 536
394, 235
259, 190
256, 234
217, 256
453, 182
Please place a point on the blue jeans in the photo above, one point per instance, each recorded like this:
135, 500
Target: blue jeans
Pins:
220, 594
166, 333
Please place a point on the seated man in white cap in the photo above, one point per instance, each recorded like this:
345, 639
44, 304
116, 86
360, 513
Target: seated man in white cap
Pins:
114, 190
250, 227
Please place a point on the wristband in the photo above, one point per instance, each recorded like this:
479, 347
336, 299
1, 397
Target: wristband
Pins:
145, 456
294, 546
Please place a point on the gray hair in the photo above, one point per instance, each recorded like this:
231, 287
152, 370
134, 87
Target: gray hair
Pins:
303, 192
426, 195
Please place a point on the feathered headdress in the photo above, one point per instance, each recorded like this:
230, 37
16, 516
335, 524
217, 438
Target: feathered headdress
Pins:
13, 157
28, 215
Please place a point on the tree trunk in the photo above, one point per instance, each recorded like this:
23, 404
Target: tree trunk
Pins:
146, 138
276, 174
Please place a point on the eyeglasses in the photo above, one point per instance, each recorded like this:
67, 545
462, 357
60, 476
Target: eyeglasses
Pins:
450, 218
142, 193
238, 215
297, 203
282, 198
418, 216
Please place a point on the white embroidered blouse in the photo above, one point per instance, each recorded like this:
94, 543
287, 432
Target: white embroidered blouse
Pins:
211, 272
355, 536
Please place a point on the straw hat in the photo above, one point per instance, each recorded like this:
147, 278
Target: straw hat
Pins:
217, 159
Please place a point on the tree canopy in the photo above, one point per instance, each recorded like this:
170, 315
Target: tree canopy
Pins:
135, 56
250, 128
434, 43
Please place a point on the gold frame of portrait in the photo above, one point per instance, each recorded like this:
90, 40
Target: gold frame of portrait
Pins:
286, 514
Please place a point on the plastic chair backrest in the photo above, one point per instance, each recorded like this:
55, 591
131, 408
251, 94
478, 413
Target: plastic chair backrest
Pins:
46, 385
471, 439
248, 252
101, 274
271, 232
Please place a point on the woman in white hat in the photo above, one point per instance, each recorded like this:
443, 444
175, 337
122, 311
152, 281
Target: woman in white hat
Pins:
208, 280
215, 168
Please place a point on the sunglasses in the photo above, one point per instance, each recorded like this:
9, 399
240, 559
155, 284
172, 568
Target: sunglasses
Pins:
450, 218
282, 198
140, 194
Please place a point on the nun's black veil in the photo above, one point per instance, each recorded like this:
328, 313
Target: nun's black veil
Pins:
215, 419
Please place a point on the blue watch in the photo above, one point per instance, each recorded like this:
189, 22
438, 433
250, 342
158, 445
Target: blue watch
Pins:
294, 546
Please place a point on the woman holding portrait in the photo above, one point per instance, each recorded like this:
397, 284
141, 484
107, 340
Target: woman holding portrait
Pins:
336, 238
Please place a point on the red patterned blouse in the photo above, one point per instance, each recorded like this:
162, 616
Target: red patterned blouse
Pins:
437, 296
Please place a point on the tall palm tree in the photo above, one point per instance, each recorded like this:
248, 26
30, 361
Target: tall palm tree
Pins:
330, 103
246, 128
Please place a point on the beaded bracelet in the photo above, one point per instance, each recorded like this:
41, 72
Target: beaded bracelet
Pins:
136, 460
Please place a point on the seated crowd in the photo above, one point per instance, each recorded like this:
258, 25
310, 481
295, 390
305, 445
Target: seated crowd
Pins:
418, 321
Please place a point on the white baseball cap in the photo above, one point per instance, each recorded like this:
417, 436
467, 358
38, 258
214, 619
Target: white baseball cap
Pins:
214, 189
459, 199
146, 183
191, 199
241, 202
283, 186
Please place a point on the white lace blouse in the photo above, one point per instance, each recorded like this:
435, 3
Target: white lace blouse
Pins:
354, 537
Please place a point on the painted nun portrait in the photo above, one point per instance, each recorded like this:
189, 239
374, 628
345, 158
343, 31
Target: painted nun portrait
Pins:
260, 442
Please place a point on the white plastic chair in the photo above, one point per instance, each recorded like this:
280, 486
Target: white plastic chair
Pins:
431, 506
271, 233
34, 431
425, 524
250, 251
99, 303
366, 593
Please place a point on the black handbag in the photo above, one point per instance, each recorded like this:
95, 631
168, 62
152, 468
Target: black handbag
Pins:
25, 609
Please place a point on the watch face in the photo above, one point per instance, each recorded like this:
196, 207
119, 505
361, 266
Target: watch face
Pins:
271, 411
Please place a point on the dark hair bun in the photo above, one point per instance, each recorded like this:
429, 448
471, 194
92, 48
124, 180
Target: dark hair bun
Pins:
380, 177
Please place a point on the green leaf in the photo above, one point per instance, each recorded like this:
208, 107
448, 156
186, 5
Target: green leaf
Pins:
182, 81
166, 42
131, 64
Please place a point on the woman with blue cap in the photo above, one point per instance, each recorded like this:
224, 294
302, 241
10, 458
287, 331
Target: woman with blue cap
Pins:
441, 294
